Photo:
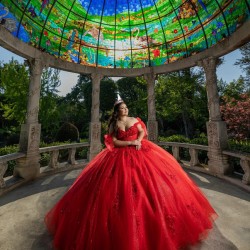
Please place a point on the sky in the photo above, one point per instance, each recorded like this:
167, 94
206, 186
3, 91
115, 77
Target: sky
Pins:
227, 71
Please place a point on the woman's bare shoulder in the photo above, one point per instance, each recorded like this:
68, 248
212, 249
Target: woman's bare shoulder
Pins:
132, 119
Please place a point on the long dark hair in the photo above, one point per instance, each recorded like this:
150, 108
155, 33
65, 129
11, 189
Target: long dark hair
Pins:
112, 125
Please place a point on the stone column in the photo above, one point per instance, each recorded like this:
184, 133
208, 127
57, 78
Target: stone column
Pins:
216, 128
29, 166
152, 124
95, 124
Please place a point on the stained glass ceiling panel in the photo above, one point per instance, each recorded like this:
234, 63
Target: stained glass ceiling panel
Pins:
123, 33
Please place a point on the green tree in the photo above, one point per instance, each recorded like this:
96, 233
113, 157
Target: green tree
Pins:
181, 101
134, 92
14, 85
244, 62
232, 89
80, 99
75, 106
49, 112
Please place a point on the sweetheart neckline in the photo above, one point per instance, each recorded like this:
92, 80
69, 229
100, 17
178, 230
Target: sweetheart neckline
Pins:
129, 127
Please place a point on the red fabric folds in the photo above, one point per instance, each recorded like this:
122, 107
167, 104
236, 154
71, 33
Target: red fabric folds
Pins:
130, 199
108, 141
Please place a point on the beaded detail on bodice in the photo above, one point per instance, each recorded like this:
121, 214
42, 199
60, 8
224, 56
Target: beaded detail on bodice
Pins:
128, 135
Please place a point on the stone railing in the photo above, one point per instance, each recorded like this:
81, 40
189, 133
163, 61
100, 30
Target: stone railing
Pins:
4, 165
53, 166
194, 160
54, 154
244, 163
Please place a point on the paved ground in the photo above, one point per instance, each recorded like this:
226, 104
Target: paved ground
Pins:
22, 212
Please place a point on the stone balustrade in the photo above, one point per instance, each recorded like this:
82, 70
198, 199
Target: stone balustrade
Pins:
53, 166
194, 160
54, 154
244, 163
4, 165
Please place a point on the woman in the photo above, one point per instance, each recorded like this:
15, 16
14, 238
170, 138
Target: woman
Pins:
132, 196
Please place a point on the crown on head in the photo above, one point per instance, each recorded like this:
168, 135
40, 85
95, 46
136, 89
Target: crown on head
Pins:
118, 101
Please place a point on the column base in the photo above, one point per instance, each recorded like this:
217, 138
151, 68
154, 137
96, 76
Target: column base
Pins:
28, 167
217, 141
218, 163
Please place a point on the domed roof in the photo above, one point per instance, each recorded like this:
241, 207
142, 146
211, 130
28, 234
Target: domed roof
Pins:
123, 33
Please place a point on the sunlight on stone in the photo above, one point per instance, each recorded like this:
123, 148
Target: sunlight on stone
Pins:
48, 180
72, 175
201, 178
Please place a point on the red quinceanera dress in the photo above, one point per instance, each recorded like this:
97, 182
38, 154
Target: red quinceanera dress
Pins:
128, 199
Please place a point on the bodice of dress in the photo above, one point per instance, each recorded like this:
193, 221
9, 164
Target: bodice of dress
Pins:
129, 135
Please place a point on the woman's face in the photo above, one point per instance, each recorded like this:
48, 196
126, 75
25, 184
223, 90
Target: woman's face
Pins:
123, 110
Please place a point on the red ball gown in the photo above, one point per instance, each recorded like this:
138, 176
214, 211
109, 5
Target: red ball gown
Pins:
128, 199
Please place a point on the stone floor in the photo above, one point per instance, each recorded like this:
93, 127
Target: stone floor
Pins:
22, 212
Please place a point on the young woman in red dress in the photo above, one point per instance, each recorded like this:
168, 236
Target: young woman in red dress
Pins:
132, 196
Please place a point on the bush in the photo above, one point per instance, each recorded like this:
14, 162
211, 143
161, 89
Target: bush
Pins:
68, 132
242, 146
44, 161
234, 145
174, 138
11, 164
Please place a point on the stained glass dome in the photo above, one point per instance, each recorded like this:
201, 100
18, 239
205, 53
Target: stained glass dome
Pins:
123, 33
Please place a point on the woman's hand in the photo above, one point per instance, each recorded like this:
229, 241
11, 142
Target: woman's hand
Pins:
137, 144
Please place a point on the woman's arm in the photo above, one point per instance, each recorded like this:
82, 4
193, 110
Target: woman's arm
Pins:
141, 132
119, 143
140, 136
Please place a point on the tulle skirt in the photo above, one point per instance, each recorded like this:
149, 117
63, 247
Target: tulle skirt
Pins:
131, 200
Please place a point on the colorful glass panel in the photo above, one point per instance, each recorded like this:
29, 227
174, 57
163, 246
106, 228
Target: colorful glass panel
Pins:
123, 33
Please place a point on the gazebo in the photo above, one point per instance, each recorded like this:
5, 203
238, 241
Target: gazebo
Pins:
121, 38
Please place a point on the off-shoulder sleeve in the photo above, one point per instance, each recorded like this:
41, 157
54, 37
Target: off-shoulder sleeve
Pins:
143, 127
108, 140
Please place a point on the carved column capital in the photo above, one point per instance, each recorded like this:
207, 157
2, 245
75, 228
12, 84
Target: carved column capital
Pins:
36, 66
209, 63
96, 77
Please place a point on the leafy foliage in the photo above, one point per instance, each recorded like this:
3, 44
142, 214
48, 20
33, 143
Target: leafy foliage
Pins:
244, 62
181, 101
49, 112
80, 100
68, 132
236, 114
133, 91
14, 85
